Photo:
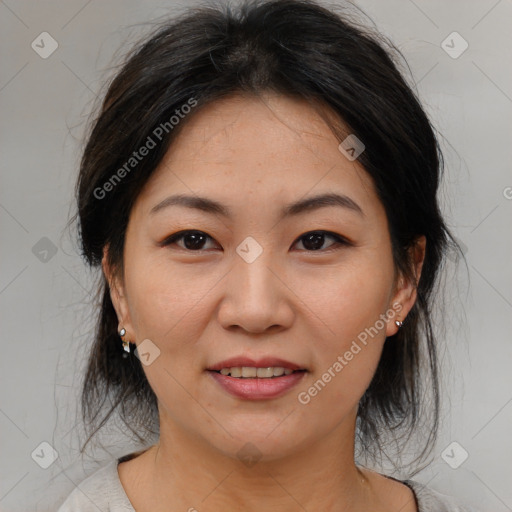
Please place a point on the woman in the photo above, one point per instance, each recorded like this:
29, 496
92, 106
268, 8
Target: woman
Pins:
259, 189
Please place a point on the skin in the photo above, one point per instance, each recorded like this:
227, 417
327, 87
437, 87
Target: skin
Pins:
255, 155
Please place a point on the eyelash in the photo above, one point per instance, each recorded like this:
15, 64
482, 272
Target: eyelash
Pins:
339, 240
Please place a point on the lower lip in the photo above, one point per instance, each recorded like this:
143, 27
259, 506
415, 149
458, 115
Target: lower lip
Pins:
258, 389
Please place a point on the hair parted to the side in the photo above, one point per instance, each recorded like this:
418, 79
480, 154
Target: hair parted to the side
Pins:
300, 49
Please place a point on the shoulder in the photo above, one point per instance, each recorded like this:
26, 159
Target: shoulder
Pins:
429, 500
101, 491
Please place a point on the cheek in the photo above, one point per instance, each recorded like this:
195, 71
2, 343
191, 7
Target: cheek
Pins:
167, 306
165, 298
171, 306
351, 304
347, 299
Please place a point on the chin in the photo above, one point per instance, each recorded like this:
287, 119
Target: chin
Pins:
258, 445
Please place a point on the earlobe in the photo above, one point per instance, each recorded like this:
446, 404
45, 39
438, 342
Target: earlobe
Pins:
117, 294
406, 289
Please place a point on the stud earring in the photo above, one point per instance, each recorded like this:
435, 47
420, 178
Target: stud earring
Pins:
126, 344
398, 323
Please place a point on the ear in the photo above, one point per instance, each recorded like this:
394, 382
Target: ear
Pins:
405, 293
118, 297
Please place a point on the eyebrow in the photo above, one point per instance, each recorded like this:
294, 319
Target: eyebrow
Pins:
303, 205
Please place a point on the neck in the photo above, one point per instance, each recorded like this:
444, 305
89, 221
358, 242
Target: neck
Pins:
189, 473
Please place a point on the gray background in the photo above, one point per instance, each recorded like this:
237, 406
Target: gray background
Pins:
45, 299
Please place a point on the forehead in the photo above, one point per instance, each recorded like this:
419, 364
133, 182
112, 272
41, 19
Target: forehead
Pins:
271, 146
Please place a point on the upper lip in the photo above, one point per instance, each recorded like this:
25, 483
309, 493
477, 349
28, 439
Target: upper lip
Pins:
264, 362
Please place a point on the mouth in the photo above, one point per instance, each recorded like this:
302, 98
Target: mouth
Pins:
256, 380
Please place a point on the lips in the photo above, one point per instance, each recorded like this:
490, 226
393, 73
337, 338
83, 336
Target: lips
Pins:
250, 386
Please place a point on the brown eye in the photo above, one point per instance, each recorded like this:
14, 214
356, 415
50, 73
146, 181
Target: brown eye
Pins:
315, 240
191, 240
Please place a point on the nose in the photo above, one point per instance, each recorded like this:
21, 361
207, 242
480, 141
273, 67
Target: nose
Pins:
256, 297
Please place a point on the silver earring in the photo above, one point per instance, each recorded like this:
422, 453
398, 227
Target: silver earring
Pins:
398, 323
126, 344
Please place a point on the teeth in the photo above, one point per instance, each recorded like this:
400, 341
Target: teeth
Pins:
236, 372
248, 372
264, 373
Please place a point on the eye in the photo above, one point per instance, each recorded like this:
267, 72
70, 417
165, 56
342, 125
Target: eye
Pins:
314, 241
193, 240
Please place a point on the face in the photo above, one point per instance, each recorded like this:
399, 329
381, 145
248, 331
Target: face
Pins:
312, 287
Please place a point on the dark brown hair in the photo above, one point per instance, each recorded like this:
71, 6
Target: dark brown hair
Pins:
295, 48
